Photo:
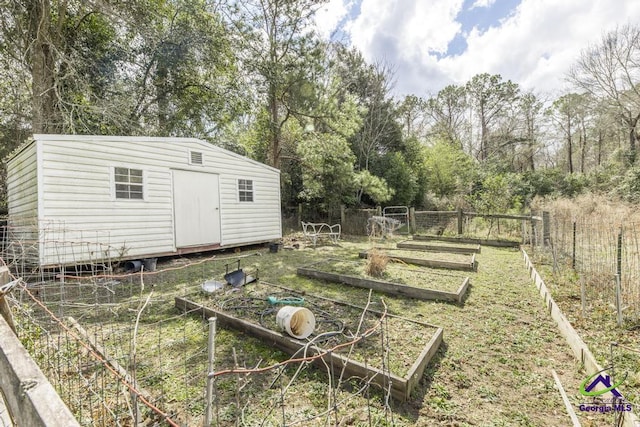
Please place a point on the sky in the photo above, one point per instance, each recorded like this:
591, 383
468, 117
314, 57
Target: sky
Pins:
433, 43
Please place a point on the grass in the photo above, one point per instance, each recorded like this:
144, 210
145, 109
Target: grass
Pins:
429, 255
397, 272
339, 322
610, 344
493, 368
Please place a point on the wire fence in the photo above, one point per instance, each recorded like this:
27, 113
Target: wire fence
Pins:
356, 222
114, 348
604, 255
119, 352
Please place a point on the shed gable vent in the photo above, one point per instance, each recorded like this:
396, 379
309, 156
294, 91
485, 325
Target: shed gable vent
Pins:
196, 157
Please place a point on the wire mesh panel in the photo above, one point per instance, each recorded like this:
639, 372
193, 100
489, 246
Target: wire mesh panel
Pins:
436, 222
120, 354
399, 214
114, 347
628, 269
600, 253
356, 221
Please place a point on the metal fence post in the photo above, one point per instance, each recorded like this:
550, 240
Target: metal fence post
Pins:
210, 379
412, 220
583, 297
619, 278
573, 250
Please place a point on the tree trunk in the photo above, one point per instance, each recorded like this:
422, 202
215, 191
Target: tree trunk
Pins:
274, 127
45, 115
600, 144
633, 124
569, 145
583, 146
531, 144
161, 83
484, 136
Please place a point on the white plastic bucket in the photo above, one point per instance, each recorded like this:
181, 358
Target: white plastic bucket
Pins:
299, 322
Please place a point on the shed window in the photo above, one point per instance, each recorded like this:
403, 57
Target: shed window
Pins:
245, 190
128, 183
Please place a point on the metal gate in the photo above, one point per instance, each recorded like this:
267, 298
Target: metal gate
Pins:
399, 213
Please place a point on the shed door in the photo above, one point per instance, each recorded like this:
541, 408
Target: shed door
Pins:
196, 207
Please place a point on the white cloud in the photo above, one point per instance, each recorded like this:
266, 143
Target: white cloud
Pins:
329, 16
534, 46
410, 28
482, 3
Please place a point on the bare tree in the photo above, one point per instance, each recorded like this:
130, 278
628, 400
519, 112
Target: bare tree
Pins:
448, 110
411, 111
490, 97
530, 111
378, 125
568, 113
610, 71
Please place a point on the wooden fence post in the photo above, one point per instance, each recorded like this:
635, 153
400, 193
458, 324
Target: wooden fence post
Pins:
5, 310
460, 219
533, 230
546, 228
343, 216
412, 220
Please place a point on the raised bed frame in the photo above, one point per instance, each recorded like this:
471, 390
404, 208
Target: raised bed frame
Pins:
483, 242
439, 248
400, 387
433, 263
388, 287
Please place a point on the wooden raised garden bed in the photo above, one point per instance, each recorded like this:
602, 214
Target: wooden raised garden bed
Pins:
412, 343
400, 255
468, 240
413, 290
439, 247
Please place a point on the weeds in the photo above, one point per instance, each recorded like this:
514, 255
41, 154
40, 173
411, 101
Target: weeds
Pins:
376, 263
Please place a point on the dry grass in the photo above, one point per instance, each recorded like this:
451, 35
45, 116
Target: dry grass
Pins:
588, 208
376, 263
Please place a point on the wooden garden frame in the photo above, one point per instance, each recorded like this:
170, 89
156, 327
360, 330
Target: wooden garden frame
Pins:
387, 287
400, 386
472, 265
483, 242
466, 250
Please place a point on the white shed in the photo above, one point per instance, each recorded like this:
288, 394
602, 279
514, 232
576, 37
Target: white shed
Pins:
79, 199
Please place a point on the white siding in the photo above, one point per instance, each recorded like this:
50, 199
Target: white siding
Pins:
250, 221
22, 199
22, 183
77, 195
